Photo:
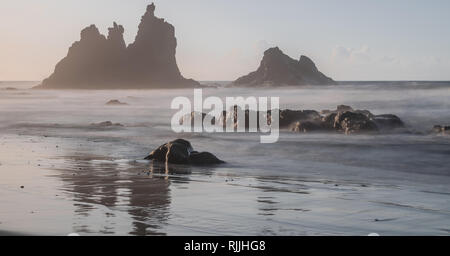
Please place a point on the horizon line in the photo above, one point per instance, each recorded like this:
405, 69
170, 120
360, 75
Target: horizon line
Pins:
400, 80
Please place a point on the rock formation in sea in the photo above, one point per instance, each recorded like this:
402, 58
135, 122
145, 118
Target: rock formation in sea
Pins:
99, 62
344, 119
277, 69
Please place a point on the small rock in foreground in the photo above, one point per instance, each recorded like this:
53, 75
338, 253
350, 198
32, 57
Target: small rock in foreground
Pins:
181, 151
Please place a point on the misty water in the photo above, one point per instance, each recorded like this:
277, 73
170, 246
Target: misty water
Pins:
92, 180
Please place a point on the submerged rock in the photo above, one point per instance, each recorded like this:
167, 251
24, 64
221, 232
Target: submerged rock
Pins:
181, 151
277, 69
115, 102
107, 124
99, 62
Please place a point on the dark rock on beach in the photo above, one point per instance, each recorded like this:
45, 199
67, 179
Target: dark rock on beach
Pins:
99, 62
181, 151
278, 69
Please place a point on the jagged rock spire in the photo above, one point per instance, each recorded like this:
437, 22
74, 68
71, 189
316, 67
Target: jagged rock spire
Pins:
115, 36
99, 62
151, 9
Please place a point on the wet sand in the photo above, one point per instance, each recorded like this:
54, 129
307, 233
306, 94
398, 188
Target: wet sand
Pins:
97, 195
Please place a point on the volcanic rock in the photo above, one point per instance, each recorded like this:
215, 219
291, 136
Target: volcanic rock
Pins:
181, 151
99, 62
277, 69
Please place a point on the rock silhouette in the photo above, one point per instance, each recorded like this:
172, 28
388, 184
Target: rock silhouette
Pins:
99, 62
277, 69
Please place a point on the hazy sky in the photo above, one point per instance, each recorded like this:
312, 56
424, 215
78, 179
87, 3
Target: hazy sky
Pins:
224, 39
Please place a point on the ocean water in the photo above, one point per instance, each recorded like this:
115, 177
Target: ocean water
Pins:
86, 179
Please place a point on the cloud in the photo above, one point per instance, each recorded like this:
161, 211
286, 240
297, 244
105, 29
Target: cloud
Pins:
433, 60
341, 53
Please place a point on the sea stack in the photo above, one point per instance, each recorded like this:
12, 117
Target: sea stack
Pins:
99, 62
278, 69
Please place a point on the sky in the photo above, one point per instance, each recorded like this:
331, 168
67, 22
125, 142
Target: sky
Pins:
224, 39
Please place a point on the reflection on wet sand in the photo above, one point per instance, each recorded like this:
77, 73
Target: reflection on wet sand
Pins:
140, 190
68, 188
